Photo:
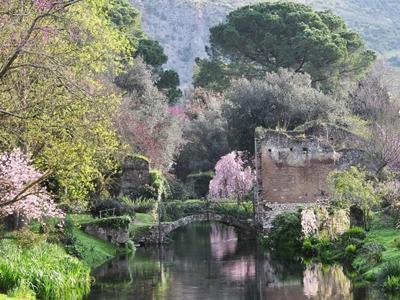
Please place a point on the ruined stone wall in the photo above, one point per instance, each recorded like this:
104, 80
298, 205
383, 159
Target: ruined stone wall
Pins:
293, 168
135, 175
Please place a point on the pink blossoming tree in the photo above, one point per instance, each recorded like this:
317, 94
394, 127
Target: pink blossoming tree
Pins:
232, 178
21, 191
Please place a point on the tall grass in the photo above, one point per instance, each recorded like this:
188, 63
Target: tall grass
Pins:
45, 269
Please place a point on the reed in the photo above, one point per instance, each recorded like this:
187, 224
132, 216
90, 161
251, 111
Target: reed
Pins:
45, 269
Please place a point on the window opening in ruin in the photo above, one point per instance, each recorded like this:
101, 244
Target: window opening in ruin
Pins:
269, 150
305, 149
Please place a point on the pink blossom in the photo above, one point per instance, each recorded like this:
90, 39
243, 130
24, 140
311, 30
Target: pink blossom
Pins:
44, 4
232, 178
177, 112
16, 172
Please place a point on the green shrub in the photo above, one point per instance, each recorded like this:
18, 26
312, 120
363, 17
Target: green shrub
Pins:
178, 190
174, 210
112, 207
310, 247
286, 233
369, 256
43, 268
137, 231
159, 183
121, 222
355, 235
143, 205
389, 276
199, 183
243, 210
396, 243
70, 242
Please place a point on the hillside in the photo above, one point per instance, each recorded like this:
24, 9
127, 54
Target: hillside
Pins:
182, 26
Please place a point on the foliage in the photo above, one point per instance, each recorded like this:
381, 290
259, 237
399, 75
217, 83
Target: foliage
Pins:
137, 231
369, 256
127, 20
112, 207
233, 179
143, 205
45, 268
21, 191
145, 121
285, 236
160, 183
384, 146
151, 52
178, 190
389, 276
174, 210
199, 183
206, 134
121, 222
283, 99
168, 83
244, 210
168, 80
351, 187
294, 36
211, 75
372, 99
56, 102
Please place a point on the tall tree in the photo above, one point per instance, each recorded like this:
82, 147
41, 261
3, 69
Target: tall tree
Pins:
284, 99
55, 100
268, 36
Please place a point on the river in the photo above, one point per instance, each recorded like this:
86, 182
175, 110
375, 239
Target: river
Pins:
206, 261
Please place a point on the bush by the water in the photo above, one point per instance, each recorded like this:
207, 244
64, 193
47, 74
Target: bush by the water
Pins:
174, 210
43, 268
286, 234
389, 276
243, 210
112, 207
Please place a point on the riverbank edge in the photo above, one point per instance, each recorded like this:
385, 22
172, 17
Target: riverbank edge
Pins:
382, 231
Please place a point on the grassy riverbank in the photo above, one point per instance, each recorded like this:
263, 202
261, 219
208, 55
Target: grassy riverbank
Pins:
42, 270
92, 250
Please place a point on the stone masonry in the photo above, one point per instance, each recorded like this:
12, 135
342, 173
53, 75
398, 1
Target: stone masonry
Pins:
135, 175
292, 167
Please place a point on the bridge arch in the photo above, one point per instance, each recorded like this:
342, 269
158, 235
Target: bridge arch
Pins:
156, 234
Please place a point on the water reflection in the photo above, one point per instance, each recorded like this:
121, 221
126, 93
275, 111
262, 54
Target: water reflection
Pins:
207, 261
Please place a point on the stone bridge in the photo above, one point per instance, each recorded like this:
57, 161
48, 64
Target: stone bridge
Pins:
156, 235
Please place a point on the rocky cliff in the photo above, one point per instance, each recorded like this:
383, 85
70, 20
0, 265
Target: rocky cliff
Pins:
182, 26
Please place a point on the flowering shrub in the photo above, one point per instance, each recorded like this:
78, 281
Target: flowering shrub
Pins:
21, 190
232, 179
309, 223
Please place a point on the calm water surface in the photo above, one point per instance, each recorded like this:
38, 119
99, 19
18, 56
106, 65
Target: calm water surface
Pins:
206, 261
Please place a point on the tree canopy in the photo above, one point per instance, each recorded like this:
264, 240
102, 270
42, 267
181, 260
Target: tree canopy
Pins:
268, 36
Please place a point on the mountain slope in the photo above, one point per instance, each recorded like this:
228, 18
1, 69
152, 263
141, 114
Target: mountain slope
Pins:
182, 26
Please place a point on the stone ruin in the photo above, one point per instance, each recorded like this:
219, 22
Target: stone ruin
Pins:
292, 167
135, 176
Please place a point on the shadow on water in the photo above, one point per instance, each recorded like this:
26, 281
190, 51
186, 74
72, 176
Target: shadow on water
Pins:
207, 261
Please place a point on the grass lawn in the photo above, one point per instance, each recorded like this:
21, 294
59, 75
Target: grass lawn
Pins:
384, 232
143, 219
386, 237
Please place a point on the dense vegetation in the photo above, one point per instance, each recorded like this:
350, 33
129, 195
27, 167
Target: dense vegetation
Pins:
82, 88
